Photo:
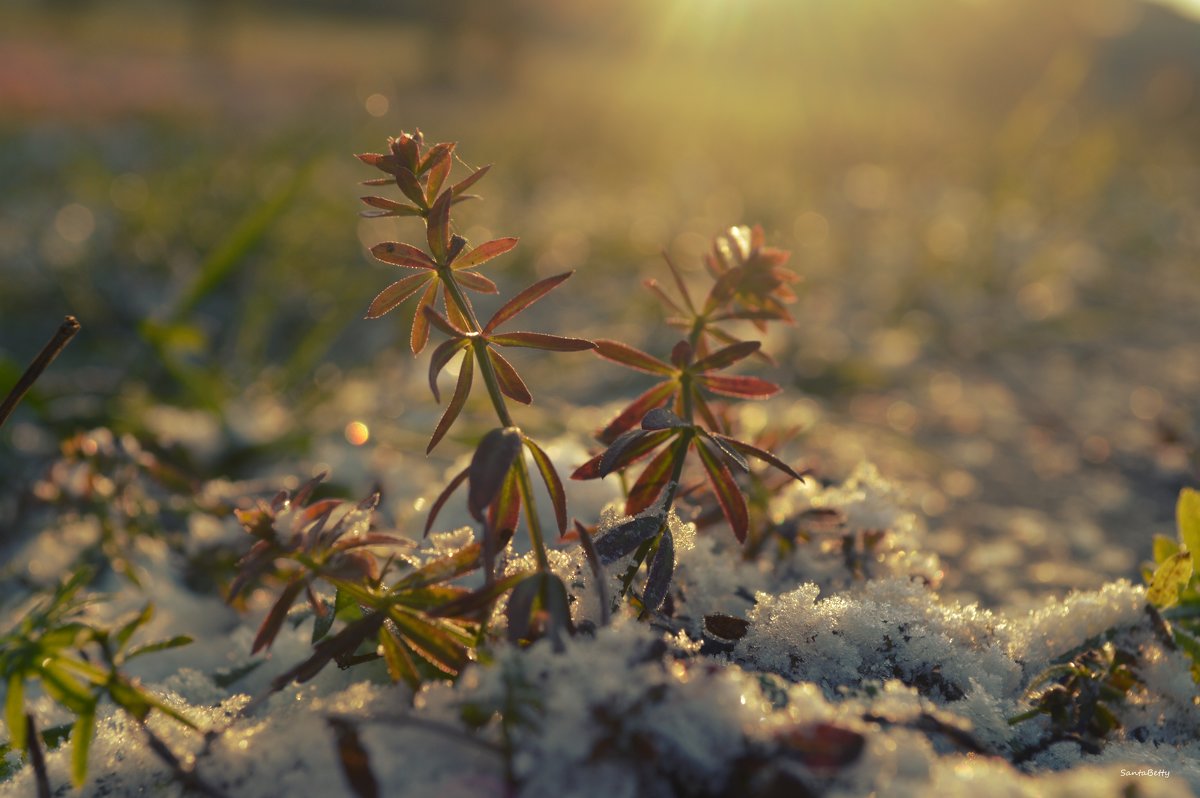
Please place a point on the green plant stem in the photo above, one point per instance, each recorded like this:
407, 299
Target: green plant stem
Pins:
454, 292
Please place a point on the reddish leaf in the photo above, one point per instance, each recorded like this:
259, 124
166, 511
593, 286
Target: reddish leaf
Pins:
651, 481
727, 356
411, 187
274, 620
342, 644
493, 458
681, 354
633, 358
629, 447
392, 296
825, 747
384, 163
503, 516
441, 356
637, 409
706, 412
484, 252
524, 299
671, 305
550, 343
511, 384
407, 148
356, 763
729, 496
454, 313
476, 282
762, 454
624, 538
388, 207
680, 284
420, 327
442, 323
444, 496
399, 254
554, 486
744, 387
461, 391
437, 161
437, 230
469, 180
662, 568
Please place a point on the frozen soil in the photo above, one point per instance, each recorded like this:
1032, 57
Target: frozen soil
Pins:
804, 674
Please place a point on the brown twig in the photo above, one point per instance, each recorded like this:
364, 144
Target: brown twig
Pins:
36, 757
66, 331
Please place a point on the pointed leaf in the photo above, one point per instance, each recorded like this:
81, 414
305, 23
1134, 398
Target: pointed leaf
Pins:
729, 496
662, 568
160, 645
493, 458
554, 486
637, 409
442, 355
652, 480
444, 496
14, 711
387, 207
503, 515
761, 454
476, 282
442, 323
420, 327
557, 606
551, 343
411, 187
1187, 519
624, 538
662, 418
458, 317
723, 358
274, 620
680, 284
81, 743
123, 634
479, 600
629, 446
443, 569
511, 384
400, 254
670, 304
744, 387
524, 299
437, 230
461, 391
438, 162
431, 643
1169, 579
353, 756
484, 252
633, 358
341, 644
470, 180
728, 450
519, 610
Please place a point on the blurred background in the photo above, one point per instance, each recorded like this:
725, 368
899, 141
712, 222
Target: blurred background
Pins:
995, 206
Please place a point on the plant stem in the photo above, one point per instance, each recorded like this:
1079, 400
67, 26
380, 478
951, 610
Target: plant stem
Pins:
62, 336
455, 294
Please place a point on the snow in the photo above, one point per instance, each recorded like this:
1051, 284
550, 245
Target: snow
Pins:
646, 709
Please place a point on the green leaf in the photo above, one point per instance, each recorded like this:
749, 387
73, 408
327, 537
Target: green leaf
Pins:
161, 645
1170, 578
81, 742
399, 664
1187, 518
126, 631
14, 710
1164, 547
